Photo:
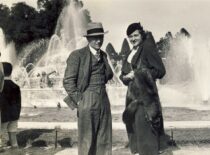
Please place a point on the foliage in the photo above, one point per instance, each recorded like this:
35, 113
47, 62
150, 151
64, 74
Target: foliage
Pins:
124, 49
4, 15
111, 52
163, 45
23, 24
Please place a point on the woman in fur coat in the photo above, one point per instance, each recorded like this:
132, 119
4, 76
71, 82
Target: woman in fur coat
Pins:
142, 116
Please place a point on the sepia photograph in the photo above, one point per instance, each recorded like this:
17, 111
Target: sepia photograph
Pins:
104, 77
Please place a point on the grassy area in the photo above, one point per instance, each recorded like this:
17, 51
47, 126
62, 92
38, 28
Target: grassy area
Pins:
67, 115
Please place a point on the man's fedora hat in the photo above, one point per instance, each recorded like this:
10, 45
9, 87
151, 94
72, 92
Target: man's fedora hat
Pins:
95, 29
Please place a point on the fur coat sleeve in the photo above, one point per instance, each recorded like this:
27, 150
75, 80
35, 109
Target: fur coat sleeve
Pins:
151, 59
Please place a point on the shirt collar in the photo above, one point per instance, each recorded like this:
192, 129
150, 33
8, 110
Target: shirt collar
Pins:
132, 53
93, 51
7, 78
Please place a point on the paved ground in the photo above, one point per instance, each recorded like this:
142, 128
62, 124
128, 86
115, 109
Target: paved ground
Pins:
188, 127
192, 150
191, 127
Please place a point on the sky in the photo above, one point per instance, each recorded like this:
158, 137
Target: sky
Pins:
157, 16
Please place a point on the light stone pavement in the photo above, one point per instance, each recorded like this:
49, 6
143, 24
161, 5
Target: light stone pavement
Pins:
192, 150
115, 125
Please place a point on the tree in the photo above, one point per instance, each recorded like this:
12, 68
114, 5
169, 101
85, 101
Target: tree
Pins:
19, 25
111, 52
163, 45
4, 15
125, 48
49, 13
23, 24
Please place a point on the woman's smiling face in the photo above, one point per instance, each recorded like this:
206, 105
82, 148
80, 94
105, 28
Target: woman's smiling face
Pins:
135, 38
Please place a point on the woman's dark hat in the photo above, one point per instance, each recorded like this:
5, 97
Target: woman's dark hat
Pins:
133, 27
95, 29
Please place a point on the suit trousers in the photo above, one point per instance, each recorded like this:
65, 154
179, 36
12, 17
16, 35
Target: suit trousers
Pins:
94, 123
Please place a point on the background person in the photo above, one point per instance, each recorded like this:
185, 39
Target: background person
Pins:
45, 81
10, 99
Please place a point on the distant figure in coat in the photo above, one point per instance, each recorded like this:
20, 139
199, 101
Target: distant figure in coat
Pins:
140, 69
10, 100
45, 81
86, 75
59, 105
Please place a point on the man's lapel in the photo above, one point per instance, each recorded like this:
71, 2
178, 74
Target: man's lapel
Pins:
137, 56
86, 69
108, 70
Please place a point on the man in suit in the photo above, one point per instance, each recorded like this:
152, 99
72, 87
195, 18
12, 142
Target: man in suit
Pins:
85, 77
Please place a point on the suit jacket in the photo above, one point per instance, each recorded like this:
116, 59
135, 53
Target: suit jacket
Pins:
78, 70
146, 57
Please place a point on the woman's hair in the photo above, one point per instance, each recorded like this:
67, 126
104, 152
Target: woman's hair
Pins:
7, 68
136, 26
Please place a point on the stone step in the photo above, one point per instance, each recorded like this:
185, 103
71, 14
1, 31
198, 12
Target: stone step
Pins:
115, 125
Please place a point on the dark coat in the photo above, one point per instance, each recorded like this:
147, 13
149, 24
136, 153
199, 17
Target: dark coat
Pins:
10, 100
148, 67
142, 100
146, 57
77, 73
143, 91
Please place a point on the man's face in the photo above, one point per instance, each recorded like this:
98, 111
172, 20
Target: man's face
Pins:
135, 38
96, 41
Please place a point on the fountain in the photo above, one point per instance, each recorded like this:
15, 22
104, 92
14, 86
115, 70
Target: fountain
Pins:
2, 40
68, 36
7, 50
71, 26
187, 79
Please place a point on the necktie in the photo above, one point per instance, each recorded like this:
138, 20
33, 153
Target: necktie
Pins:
98, 55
